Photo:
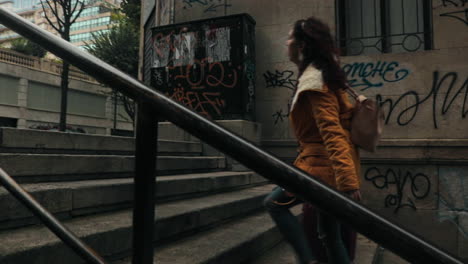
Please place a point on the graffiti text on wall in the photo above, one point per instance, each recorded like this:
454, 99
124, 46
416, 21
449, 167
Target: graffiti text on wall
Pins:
203, 103
359, 74
210, 6
158, 78
201, 86
450, 94
455, 3
418, 183
202, 74
280, 116
459, 15
250, 76
280, 79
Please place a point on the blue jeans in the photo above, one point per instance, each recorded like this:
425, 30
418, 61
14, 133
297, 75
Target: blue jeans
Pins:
329, 229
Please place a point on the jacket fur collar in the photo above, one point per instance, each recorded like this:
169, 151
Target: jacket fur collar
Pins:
311, 80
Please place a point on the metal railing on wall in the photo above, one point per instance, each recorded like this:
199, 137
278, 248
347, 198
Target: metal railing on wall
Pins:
391, 236
383, 26
36, 63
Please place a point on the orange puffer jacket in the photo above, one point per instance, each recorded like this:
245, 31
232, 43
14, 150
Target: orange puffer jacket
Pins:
321, 120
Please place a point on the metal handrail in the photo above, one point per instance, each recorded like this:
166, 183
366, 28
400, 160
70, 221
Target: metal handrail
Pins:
393, 237
49, 220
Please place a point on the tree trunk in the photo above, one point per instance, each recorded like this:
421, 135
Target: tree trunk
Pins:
63, 104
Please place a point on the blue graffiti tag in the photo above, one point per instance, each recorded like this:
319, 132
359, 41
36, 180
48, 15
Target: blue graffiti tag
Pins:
359, 73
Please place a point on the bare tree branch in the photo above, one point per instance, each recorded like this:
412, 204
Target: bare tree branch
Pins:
56, 14
82, 7
55, 10
74, 7
47, 16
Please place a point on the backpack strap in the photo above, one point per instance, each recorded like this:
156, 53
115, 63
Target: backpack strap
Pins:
351, 92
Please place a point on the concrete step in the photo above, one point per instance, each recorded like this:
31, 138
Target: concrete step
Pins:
281, 253
14, 140
58, 167
385, 256
284, 254
72, 199
365, 250
234, 242
111, 234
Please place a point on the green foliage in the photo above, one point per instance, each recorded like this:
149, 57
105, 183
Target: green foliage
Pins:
132, 10
27, 47
118, 47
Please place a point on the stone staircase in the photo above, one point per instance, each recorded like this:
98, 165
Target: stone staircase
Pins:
209, 209
205, 212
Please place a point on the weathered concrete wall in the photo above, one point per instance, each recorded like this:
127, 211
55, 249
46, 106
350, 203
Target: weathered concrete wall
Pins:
450, 22
419, 176
413, 86
422, 92
33, 98
274, 73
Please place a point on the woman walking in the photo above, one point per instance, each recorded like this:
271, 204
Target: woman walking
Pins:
320, 115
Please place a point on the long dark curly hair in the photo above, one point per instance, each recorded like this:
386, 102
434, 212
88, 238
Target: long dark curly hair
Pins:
320, 51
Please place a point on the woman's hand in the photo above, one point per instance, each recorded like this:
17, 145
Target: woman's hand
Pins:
354, 194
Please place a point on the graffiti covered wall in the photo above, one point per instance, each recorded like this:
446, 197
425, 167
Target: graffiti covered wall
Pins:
423, 94
450, 20
419, 175
418, 178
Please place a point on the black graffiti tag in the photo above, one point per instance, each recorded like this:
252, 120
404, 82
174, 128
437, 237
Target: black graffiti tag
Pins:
419, 184
460, 15
449, 97
279, 116
280, 79
208, 5
454, 2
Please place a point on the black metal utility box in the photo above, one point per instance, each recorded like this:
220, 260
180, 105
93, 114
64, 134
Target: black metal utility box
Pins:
207, 65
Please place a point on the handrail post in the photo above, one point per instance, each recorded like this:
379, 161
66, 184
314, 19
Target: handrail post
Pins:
145, 171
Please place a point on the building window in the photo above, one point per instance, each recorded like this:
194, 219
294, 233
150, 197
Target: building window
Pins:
94, 11
85, 36
383, 26
92, 23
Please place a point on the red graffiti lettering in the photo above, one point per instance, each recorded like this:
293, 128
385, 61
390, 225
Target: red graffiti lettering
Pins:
195, 80
213, 74
201, 102
215, 81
